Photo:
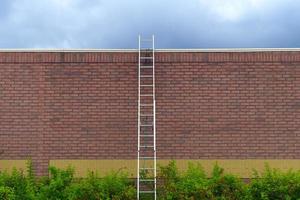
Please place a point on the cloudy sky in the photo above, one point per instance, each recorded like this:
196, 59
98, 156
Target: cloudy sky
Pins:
175, 23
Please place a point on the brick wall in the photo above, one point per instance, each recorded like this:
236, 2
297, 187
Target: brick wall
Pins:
76, 105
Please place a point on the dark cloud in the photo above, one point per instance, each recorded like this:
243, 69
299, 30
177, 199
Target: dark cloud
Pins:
175, 23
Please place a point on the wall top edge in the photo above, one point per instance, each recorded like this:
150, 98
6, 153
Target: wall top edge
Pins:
220, 50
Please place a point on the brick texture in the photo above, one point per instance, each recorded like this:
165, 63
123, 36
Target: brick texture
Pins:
65, 105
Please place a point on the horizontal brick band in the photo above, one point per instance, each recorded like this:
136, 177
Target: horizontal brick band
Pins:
161, 57
65, 57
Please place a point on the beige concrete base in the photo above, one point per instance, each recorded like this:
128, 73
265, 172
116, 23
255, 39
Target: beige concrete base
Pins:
241, 168
9, 165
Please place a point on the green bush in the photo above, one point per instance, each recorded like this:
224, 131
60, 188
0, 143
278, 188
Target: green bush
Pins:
114, 186
7, 193
273, 184
22, 185
170, 178
192, 184
57, 185
89, 188
226, 186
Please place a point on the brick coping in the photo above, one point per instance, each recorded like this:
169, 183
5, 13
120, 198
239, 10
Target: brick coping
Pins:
220, 50
160, 57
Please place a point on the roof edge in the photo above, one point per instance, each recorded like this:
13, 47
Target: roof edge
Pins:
216, 50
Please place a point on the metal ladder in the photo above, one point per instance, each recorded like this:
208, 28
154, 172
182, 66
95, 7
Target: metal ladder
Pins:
146, 161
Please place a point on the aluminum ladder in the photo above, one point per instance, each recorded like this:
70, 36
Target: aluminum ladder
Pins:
146, 152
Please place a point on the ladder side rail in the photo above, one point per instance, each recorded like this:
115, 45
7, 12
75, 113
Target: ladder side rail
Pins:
154, 115
138, 161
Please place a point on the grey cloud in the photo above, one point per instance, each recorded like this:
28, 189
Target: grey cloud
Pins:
175, 23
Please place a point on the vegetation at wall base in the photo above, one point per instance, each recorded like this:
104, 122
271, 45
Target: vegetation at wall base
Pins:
192, 184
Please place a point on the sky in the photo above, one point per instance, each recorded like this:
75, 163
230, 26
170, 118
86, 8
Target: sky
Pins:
175, 23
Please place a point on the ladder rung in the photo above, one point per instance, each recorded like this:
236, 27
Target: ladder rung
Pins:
146, 146
146, 115
146, 85
146, 125
146, 76
147, 180
146, 192
146, 95
147, 168
146, 67
146, 105
147, 135
146, 158
144, 58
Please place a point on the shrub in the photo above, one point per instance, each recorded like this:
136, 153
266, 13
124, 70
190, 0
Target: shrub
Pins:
192, 184
113, 186
62, 185
22, 185
7, 193
226, 186
116, 185
89, 188
56, 186
170, 178
273, 184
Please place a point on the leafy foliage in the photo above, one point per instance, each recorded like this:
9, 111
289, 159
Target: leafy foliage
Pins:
273, 184
7, 193
192, 184
226, 186
55, 187
114, 185
19, 184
